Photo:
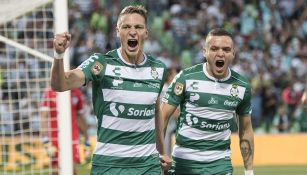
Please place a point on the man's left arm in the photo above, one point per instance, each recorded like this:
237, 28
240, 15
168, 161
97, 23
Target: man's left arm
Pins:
165, 160
246, 136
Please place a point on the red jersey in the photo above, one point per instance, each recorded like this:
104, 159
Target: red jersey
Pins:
49, 103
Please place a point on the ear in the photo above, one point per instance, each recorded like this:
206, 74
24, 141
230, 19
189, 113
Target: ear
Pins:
117, 31
146, 33
205, 52
234, 53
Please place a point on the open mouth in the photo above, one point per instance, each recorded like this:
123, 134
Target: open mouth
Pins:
219, 63
132, 43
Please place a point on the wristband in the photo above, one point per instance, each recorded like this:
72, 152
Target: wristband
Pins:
58, 55
248, 172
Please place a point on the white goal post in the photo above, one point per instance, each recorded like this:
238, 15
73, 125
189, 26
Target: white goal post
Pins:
26, 35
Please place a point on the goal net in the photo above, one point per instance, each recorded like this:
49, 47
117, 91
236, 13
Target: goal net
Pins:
26, 40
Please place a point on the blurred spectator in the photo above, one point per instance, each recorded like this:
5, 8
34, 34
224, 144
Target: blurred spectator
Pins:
256, 107
303, 119
269, 106
281, 120
291, 97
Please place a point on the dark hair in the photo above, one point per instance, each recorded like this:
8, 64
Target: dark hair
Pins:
219, 32
139, 9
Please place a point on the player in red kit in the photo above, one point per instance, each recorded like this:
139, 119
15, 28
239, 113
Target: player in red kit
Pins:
50, 124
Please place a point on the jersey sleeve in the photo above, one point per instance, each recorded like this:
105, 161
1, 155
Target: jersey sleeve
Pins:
244, 107
176, 90
93, 67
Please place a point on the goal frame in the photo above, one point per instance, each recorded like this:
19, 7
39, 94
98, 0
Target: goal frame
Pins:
63, 111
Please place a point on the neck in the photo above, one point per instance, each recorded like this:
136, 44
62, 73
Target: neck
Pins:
219, 77
139, 58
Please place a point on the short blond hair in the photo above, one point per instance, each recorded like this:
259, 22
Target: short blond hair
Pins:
139, 9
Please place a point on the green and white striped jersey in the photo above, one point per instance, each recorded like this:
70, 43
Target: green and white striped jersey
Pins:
124, 98
207, 108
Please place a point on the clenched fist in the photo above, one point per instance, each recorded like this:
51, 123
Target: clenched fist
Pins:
165, 163
61, 41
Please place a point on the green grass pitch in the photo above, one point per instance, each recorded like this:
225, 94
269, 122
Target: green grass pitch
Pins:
259, 170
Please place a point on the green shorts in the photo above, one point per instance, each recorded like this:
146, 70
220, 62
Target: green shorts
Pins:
144, 170
219, 167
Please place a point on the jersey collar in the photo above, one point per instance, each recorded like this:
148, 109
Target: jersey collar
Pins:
213, 78
130, 64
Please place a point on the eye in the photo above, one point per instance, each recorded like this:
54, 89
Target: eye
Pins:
125, 27
214, 49
227, 49
139, 27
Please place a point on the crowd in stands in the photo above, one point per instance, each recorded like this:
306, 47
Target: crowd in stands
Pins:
270, 39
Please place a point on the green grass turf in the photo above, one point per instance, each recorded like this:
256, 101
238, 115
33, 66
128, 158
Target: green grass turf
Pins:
275, 170
259, 170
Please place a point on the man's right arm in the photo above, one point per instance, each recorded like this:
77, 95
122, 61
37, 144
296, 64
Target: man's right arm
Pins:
61, 80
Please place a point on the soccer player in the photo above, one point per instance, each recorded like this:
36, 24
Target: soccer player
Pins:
210, 95
126, 84
49, 120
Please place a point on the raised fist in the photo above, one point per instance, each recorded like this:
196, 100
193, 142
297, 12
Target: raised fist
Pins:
61, 41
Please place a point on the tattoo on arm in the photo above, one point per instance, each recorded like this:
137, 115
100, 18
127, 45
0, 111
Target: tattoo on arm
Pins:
246, 151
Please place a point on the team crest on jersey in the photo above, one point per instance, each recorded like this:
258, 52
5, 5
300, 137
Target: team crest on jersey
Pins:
154, 73
97, 68
234, 91
178, 88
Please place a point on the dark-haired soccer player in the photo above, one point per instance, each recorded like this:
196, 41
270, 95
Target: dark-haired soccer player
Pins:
210, 95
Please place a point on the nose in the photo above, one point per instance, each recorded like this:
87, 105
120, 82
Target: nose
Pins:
132, 31
220, 53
